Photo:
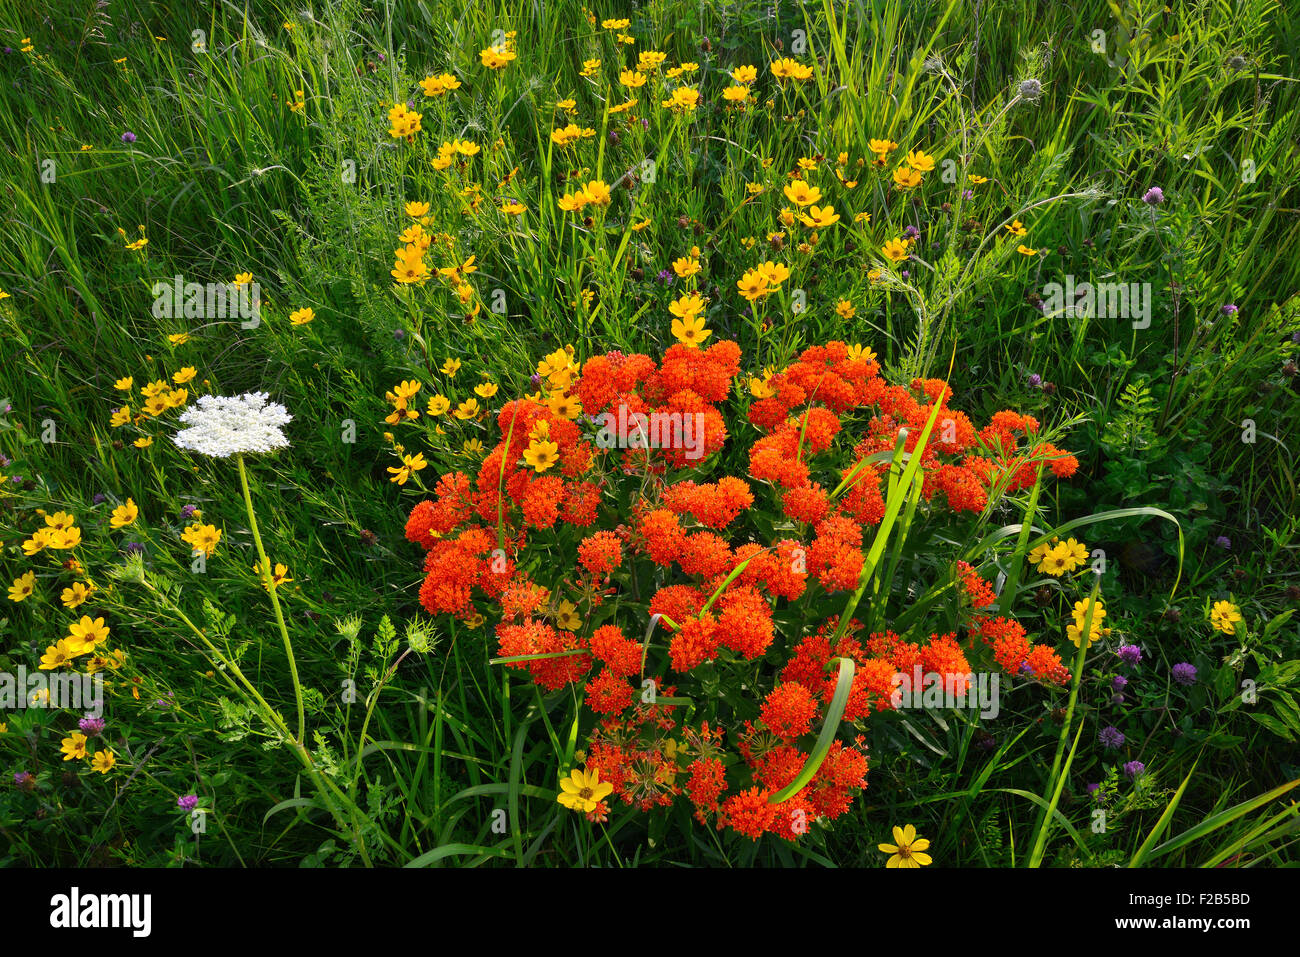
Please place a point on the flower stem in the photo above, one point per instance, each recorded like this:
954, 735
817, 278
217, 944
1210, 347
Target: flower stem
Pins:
265, 567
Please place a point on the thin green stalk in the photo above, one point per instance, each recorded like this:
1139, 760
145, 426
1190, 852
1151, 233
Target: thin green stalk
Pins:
275, 601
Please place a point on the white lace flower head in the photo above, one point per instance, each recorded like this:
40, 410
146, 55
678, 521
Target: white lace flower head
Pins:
222, 426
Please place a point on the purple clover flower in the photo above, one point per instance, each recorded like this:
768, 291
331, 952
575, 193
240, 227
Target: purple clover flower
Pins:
1111, 737
1035, 380
1184, 673
188, 802
1134, 768
91, 726
1119, 683
1130, 654
1154, 196
187, 511
99, 499
1229, 309
134, 548
128, 137
1224, 542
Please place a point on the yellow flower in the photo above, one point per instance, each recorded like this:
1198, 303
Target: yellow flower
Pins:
202, 538
73, 746
84, 635
906, 178
416, 209
596, 192
40, 539
907, 849
775, 273
976, 180
496, 58
472, 447
566, 616
1057, 561
409, 266
761, 388
752, 285
690, 331
279, 575
23, 587
801, 194
819, 217
1026, 250
1224, 616
143, 443
103, 761
687, 307
242, 279
179, 339
124, 384
582, 791
300, 317
486, 390
882, 148
686, 266
863, 353
65, 537
56, 656
1016, 229
844, 309
1076, 554
745, 74
468, 409
410, 465
565, 406
438, 404
895, 250
75, 595
920, 161
451, 367
184, 375
1075, 631
542, 455
631, 78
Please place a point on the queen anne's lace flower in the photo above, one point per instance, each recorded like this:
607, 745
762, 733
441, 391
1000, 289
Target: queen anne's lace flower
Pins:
221, 426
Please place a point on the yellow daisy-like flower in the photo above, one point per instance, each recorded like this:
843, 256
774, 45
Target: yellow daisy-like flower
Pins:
300, 317
202, 538
687, 307
582, 791
124, 384
844, 309
542, 455
469, 409
567, 617
486, 390
56, 656
690, 332
438, 405
907, 849
23, 587
1224, 615
410, 465
416, 209
895, 250
451, 367
85, 635
179, 339
73, 747
76, 594
143, 443
920, 161
801, 193
906, 178
1057, 561
103, 761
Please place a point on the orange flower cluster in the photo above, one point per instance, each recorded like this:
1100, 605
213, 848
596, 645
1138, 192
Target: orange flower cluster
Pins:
722, 572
